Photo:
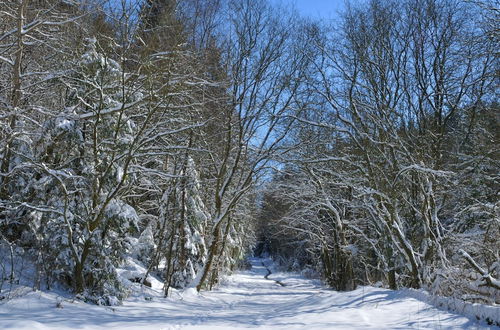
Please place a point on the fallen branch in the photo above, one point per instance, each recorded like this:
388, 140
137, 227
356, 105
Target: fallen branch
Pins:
490, 280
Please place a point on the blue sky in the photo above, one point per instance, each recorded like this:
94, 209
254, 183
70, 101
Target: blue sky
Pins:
322, 9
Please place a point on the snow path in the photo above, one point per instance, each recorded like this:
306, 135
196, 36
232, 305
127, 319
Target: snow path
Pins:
246, 300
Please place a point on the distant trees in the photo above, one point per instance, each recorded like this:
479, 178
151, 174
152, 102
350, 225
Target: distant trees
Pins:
266, 71
384, 144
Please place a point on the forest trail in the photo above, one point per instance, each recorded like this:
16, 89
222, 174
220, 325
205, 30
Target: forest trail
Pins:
245, 300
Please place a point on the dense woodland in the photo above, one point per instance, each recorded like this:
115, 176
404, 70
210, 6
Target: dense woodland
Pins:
190, 134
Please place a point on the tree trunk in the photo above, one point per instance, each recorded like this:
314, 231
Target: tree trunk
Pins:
212, 252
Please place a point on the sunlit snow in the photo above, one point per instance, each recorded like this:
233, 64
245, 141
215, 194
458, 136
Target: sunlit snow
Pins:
244, 300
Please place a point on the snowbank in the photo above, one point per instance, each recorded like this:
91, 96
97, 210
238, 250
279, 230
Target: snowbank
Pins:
484, 313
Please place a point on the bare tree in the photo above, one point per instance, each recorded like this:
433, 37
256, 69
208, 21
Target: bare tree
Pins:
266, 71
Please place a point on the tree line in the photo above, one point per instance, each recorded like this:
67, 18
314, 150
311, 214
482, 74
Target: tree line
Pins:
181, 133
393, 177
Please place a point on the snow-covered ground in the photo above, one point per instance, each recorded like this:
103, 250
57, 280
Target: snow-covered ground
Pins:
245, 300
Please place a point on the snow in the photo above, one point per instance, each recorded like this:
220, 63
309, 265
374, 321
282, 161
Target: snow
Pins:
64, 124
122, 210
244, 300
